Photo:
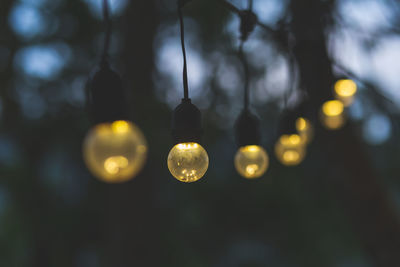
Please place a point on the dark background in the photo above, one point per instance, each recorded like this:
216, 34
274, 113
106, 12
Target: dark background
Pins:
340, 207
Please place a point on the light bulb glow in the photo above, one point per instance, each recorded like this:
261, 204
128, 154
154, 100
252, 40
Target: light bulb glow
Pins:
188, 162
345, 91
115, 152
305, 129
251, 161
332, 108
332, 115
290, 149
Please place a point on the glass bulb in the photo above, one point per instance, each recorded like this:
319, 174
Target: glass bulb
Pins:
305, 129
251, 161
290, 149
345, 91
332, 115
115, 152
188, 162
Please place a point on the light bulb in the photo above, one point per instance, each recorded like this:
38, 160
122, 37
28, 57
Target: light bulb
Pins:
332, 115
290, 149
345, 90
251, 161
115, 152
187, 162
305, 129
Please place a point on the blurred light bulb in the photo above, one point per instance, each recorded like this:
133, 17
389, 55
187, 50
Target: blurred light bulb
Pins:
187, 162
251, 161
345, 91
115, 152
290, 149
332, 115
305, 129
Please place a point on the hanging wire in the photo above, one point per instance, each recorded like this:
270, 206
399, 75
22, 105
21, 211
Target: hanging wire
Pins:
246, 71
237, 11
108, 26
185, 76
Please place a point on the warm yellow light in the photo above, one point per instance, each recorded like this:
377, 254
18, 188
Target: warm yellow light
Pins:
305, 129
345, 91
291, 140
332, 108
251, 161
290, 149
333, 122
114, 164
332, 115
115, 152
188, 162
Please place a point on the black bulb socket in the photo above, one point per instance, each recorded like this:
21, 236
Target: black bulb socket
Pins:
186, 123
247, 129
106, 97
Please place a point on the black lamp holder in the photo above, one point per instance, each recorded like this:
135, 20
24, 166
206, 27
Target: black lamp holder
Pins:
106, 99
247, 129
247, 125
186, 118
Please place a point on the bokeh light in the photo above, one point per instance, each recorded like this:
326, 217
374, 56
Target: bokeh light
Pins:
345, 91
251, 161
290, 149
43, 61
332, 115
26, 21
115, 152
377, 129
305, 129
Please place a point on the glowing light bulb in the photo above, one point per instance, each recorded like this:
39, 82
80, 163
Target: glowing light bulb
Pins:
115, 152
188, 162
251, 161
290, 149
332, 115
305, 129
345, 91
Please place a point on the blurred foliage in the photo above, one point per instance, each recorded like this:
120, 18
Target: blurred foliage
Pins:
54, 213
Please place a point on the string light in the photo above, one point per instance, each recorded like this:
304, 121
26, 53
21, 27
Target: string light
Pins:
345, 91
294, 134
305, 129
115, 149
251, 160
332, 115
115, 152
187, 160
290, 149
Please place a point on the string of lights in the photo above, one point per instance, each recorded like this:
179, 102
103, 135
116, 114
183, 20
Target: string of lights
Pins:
115, 149
187, 160
251, 160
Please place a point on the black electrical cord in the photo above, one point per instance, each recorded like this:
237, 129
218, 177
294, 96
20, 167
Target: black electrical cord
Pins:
108, 26
246, 75
185, 76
